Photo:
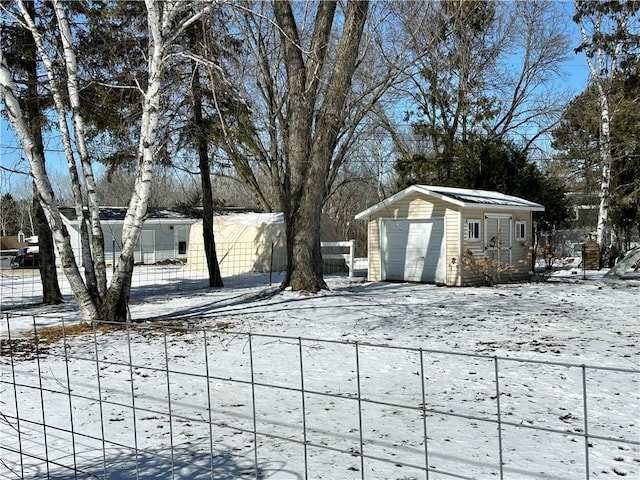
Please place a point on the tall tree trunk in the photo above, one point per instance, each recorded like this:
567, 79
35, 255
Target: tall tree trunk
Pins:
215, 278
51, 294
603, 62
92, 245
164, 23
48, 275
603, 231
310, 148
114, 306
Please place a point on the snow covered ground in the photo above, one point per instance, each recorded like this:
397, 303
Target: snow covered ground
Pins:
334, 384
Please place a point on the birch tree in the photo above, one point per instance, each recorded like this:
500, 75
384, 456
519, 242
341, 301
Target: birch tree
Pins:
96, 299
21, 50
610, 33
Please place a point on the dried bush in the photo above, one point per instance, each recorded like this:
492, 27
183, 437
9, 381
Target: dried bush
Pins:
489, 268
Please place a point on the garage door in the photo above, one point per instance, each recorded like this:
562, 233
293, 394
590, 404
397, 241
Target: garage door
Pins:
413, 250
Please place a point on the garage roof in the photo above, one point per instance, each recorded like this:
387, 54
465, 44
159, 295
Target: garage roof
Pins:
462, 197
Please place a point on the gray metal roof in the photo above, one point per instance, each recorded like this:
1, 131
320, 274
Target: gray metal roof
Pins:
462, 197
117, 214
483, 197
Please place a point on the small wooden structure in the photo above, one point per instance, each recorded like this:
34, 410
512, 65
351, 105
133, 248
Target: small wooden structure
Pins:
590, 255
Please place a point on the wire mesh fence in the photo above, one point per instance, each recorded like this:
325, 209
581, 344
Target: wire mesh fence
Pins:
21, 287
167, 400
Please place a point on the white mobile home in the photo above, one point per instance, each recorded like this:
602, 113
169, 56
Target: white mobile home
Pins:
164, 237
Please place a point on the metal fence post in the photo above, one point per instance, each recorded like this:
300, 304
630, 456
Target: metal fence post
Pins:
304, 412
359, 410
424, 414
99, 384
209, 406
44, 417
166, 365
133, 402
69, 395
253, 404
15, 397
495, 362
586, 421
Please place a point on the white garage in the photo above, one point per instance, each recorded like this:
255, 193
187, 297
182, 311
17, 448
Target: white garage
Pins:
428, 233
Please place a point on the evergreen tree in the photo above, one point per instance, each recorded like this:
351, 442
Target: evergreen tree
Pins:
610, 39
21, 56
577, 139
9, 215
486, 164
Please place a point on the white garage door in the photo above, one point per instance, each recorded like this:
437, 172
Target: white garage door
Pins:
413, 250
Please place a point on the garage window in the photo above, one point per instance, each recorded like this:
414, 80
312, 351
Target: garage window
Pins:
473, 230
521, 230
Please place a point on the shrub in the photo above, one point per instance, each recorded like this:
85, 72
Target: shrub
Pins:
489, 268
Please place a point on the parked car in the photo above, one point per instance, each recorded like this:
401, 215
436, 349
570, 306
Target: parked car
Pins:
27, 257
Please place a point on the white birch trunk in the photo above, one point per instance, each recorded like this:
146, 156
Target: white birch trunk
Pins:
97, 265
150, 116
160, 18
36, 161
601, 71
95, 300
603, 231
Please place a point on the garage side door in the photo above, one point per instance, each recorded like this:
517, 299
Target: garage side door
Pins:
413, 250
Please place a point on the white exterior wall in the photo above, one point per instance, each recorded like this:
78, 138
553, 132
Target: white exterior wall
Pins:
520, 254
158, 241
417, 206
414, 206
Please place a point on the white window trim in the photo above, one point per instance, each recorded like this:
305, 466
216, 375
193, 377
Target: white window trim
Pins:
517, 234
473, 221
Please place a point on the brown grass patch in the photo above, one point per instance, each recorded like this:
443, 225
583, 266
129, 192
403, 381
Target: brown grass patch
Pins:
27, 346
49, 335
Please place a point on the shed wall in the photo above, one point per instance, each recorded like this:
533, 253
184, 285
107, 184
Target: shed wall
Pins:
452, 228
240, 247
521, 251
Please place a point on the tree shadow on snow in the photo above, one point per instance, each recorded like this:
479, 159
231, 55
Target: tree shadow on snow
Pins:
268, 299
187, 463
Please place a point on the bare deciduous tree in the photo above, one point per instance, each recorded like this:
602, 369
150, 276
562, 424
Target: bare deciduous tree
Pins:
491, 72
311, 78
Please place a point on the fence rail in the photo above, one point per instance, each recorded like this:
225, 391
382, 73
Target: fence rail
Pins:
173, 401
